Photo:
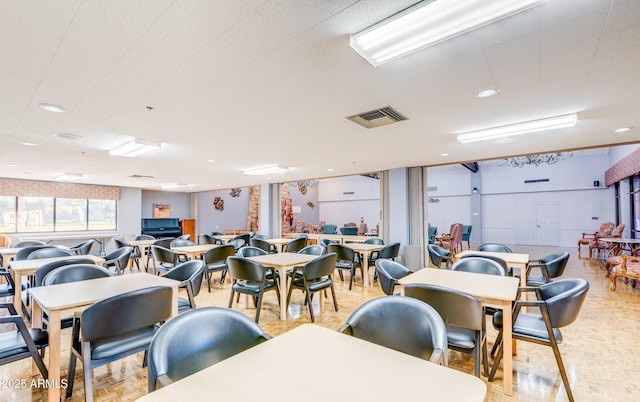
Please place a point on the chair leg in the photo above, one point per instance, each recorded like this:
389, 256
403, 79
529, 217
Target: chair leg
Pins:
353, 272
496, 363
485, 358
258, 307
333, 295
231, 299
88, 375
71, 375
497, 343
207, 275
563, 373
308, 297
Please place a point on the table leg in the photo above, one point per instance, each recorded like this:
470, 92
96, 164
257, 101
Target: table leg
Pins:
365, 268
17, 298
174, 301
506, 350
54, 353
283, 292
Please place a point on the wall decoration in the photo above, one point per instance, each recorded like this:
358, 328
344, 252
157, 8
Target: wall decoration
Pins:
311, 204
235, 192
303, 189
161, 210
218, 203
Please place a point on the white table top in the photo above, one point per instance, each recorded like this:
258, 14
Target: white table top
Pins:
620, 240
198, 248
510, 258
32, 265
283, 259
338, 368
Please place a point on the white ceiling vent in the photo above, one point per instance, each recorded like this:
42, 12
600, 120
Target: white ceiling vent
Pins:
141, 176
378, 117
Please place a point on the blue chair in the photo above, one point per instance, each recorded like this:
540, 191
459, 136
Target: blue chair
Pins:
328, 228
466, 234
349, 230
432, 232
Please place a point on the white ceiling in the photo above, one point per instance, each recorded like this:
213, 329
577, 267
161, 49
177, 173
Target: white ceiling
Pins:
255, 82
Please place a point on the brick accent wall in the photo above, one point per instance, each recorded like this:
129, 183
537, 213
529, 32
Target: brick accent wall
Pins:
33, 188
254, 209
628, 166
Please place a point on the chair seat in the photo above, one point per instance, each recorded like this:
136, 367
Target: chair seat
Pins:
536, 280
633, 269
123, 344
217, 266
11, 343
183, 304
344, 265
314, 286
252, 287
461, 338
529, 326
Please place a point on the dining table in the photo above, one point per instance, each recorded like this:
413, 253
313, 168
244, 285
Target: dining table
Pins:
494, 291
279, 242
337, 367
54, 300
22, 268
513, 260
621, 244
283, 262
195, 251
9, 253
365, 251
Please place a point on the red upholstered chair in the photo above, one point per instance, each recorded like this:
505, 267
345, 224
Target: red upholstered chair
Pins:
453, 241
602, 246
605, 230
628, 269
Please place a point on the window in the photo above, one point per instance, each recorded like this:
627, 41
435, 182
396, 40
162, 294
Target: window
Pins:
47, 214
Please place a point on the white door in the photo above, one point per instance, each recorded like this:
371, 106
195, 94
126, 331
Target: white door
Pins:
537, 223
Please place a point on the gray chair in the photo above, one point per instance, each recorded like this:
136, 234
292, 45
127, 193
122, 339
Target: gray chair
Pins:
559, 303
296, 245
50, 266
463, 316
135, 251
49, 252
118, 259
176, 353
164, 259
22, 342
262, 244
551, 266
479, 265
401, 323
494, 247
502, 262
250, 278
179, 242
209, 239
389, 272
326, 242
216, 260
315, 276
439, 256
190, 275
83, 248
237, 243
23, 252
130, 327
75, 273
346, 260
27, 243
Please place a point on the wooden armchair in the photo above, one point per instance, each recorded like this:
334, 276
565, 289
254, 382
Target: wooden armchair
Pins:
602, 246
605, 230
453, 240
628, 269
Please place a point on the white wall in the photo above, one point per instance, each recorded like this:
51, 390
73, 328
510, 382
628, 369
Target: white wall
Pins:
234, 215
451, 187
180, 203
347, 199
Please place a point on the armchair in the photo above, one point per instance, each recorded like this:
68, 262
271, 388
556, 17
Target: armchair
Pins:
603, 246
452, 241
605, 230
629, 268
328, 228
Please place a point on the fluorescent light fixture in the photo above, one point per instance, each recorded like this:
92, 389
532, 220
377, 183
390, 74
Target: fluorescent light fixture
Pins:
50, 107
485, 93
550, 123
428, 23
28, 143
622, 129
267, 170
135, 147
69, 177
178, 185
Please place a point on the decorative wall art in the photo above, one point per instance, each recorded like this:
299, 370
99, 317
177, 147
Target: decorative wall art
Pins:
161, 210
235, 192
311, 204
218, 203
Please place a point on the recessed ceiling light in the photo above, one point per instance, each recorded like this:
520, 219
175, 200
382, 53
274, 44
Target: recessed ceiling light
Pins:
135, 147
267, 170
69, 136
211, 160
219, 185
28, 144
14, 164
52, 108
69, 176
330, 169
622, 129
444, 154
485, 93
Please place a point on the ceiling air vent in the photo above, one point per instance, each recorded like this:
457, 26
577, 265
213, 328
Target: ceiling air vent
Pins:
141, 176
378, 117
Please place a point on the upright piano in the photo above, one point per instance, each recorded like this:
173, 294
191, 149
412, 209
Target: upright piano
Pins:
161, 227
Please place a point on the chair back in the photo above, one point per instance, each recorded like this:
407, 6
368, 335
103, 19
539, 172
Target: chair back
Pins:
401, 323
606, 228
184, 237
190, 273
326, 242
329, 228
299, 235
221, 333
296, 245
431, 234
617, 232
319, 268
563, 299
75, 273
245, 236
143, 237
49, 252
479, 265
164, 242
50, 266
343, 253
5, 241
261, 244
555, 263
121, 243
388, 274
245, 270
119, 258
83, 248
237, 243
315, 249
219, 254
27, 243
374, 240
494, 247
466, 232
23, 252
181, 243
209, 239
251, 251
499, 260
164, 255
390, 251
349, 230
127, 312
458, 309
438, 255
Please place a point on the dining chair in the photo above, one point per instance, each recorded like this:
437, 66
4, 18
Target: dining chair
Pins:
329, 228
374, 254
209, 239
296, 245
184, 237
479, 265
83, 248
22, 342
5, 240
388, 252
176, 353
403, 324
494, 247
262, 244
216, 260
23, 252
439, 255
432, 231
389, 272
604, 231
346, 260
49, 252
464, 318
551, 266
164, 259
559, 303
114, 328
315, 276
244, 236
178, 242
8, 289
118, 259
237, 243
146, 250
75, 273
27, 243
135, 255
453, 240
250, 278
189, 274
501, 261
326, 242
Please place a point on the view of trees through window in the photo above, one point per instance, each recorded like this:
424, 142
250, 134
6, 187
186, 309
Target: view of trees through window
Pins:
47, 214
